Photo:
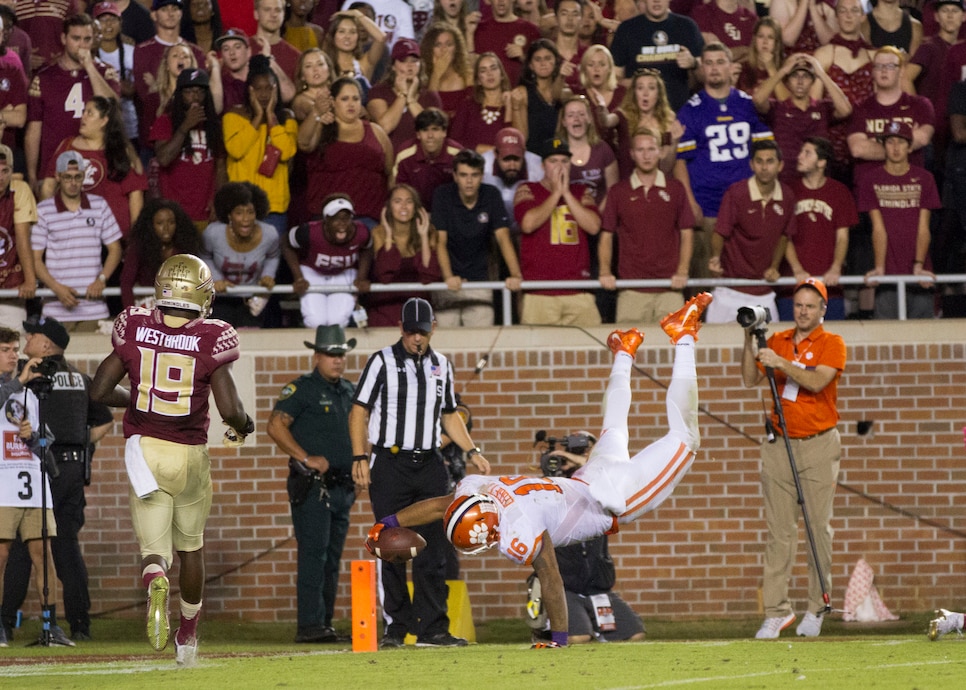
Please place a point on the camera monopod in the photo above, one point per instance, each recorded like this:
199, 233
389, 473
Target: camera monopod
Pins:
759, 334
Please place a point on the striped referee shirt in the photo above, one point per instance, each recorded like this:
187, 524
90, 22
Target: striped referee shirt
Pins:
406, 396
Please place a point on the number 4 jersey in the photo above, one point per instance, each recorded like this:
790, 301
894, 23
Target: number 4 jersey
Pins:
528, 506
20, 470
170, 370
716, 144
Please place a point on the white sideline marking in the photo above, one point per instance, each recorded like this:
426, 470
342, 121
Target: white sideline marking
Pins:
780, 672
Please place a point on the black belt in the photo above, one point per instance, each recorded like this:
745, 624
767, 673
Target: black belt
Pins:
69, 454
414, 456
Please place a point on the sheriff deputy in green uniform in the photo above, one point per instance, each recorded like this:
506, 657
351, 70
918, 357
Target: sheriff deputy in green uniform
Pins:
310, 423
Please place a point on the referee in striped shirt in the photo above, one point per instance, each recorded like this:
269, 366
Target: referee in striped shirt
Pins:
403, 402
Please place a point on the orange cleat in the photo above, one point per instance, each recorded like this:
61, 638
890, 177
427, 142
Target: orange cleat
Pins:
687, 319
625, 341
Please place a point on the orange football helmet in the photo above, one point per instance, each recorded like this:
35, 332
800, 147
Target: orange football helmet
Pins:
471, 523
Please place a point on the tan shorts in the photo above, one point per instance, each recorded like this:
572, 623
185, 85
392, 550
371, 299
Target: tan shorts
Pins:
560, 310
26, 522
646, 307
173, 518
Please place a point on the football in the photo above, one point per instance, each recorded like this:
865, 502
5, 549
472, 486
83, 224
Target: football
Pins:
398, 544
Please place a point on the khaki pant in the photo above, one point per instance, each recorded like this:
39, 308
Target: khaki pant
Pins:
173, 518
646, 307
560, 310
817, 460
470, 308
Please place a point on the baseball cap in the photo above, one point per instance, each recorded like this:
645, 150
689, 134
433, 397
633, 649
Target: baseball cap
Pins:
509, 142
939, 3
404, 48
7, 155
192, 77
52, 328
336, 205
158, 4
417, 315
105, 8
554, 147
803, 67
67, 158
232, 34
816, 285
897, 128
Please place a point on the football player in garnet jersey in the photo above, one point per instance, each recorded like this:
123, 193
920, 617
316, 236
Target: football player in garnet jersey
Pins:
526, 517
174, 356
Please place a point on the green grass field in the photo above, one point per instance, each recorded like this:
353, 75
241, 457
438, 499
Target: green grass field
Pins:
694, 654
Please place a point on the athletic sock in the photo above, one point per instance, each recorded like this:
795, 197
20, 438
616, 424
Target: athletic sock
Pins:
189, 621
151, 571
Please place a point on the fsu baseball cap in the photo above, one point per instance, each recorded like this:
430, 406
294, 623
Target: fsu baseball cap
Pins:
509, 142
232, 34
897, 128
158, 4
417, 315
816, 285
105, 8
404, 48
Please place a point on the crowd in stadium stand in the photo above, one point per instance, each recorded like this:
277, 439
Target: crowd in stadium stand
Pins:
312, 143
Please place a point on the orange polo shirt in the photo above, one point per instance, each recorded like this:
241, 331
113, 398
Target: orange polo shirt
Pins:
810, 413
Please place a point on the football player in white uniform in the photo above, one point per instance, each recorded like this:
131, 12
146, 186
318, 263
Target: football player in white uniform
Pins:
525, 517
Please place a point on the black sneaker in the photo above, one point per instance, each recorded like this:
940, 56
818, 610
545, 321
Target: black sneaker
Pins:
315, 634
391, 642
441, 640
59, 637
81, 635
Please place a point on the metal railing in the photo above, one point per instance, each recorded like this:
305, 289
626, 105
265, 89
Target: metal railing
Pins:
900, 281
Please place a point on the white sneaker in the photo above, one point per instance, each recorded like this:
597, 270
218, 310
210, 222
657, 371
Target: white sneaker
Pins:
948, 621
772, 627
186, 654
810, 626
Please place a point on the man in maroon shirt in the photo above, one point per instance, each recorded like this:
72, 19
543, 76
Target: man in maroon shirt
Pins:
269, 14
147, 59
755, 220
235, 54
899, 197
647, 210
58, 92
799, 116
506, 35
174, 357
427, 162
887, 104
43, 21
556, 219
824, 213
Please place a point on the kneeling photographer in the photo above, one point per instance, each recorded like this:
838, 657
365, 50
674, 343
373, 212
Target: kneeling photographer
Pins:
594, 610
76, 423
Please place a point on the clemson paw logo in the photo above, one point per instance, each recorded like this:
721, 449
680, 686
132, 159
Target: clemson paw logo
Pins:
479, 533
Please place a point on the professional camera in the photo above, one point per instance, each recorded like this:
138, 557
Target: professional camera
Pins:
551, 465
46, 368
753, 318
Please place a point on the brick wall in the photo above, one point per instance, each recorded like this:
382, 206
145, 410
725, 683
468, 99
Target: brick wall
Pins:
699, 555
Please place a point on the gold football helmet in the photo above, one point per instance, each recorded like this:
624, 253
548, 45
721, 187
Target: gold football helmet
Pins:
184, 282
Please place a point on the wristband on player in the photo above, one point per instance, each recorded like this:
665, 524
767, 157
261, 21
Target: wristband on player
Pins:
390, 521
